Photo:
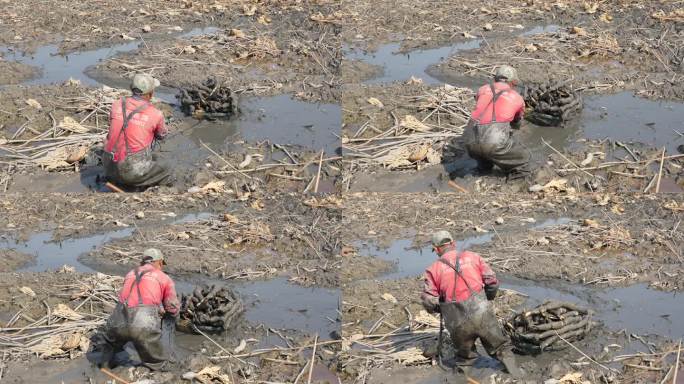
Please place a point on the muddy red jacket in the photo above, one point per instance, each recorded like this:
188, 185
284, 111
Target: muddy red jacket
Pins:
510, 106
142, 128
156, 288
440, 279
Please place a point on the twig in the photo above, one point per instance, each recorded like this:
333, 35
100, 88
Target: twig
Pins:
113, 376
225, 161
313, 354
660, 174
584, 354
679, 352
318, 175
565, 158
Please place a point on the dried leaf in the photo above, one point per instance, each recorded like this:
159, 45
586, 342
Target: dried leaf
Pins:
606, 18
214, 186
579, 31
27, 291
411, 122
237, 33
246, 162
241, 347
590, 223
375, 102
65, 312
390, 298
33, 103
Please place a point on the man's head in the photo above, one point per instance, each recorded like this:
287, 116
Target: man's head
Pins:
507, 74
143, 85
441, 241
154, 257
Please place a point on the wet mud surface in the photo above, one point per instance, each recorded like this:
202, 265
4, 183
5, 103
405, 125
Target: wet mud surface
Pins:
316, 202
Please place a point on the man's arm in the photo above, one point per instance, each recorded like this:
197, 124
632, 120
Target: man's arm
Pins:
170, 299
160, 129
491, 283
430, 295
517, 119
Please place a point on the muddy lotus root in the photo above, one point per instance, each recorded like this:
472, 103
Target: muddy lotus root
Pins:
550, 104
212, 308
210, 100
546, 326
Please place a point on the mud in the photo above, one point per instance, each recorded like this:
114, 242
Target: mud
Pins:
14, 73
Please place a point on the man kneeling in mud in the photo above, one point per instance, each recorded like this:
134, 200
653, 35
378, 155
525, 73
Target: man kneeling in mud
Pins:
134, 125
145, 315
488, 135
459, 286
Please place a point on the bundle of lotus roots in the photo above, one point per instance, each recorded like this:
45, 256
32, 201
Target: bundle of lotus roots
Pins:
209, 309
550, 104
210, 100
548, 327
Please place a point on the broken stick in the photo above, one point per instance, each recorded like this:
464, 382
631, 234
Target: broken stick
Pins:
113, 376
113, 188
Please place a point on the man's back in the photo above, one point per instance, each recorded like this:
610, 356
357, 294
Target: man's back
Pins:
143, 127
156, 289
442, 281
510, 106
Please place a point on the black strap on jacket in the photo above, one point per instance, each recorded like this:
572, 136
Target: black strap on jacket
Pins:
136, 283
495, 98
126, 120
457, 274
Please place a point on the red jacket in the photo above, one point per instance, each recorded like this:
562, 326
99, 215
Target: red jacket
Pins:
440, 279
156, 288
510, 106
143, 127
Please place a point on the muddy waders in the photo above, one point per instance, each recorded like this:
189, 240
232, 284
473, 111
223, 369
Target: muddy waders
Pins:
493, 144
152, 336
138, 170
471, 319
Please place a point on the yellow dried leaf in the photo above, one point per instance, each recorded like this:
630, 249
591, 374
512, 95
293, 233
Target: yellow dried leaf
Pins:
375, 102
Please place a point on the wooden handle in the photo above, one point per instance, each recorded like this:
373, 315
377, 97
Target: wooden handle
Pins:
113, 376
114, 188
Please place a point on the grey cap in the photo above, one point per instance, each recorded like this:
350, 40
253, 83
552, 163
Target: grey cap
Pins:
440, 238
506, 72
153, 254
144, 82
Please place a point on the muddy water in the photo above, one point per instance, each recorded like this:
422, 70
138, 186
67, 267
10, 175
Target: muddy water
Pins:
51, 255
411, 260
401, 66
628, 118
284, 120
279, 304
58, 68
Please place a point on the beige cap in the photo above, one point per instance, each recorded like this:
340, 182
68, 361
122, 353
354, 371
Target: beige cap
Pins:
506, 72
144, 82
440, 238
153, 254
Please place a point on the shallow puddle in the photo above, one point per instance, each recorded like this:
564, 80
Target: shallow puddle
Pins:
628, 118
279, 304
401, 66
51, 255
411, 261
284, 120
57, 68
